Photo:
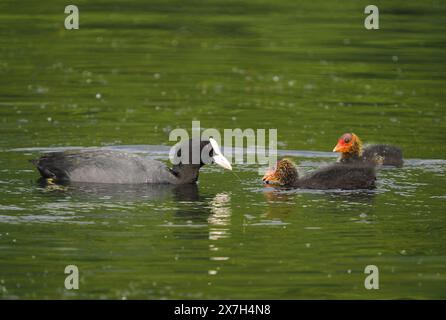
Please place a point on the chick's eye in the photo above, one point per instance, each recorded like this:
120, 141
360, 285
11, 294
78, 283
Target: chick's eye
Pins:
347, 139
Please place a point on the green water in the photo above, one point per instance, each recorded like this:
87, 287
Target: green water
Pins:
135, 70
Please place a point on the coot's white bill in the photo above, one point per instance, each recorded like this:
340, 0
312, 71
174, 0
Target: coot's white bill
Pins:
218, 157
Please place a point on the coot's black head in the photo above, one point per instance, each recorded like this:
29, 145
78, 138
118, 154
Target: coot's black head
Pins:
199, 152
189, 156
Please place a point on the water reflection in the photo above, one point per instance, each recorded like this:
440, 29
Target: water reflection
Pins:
123, 192
206, 218
220, 216
278, 202
219, 228
281, 202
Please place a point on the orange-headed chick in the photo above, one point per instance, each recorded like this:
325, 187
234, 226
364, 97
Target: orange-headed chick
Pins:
350, 147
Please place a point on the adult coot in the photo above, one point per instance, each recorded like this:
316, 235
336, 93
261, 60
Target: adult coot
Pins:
104, 166
350, 147
335, 176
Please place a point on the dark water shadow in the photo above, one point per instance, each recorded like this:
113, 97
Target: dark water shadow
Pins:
122, 192
281, 201
191, 211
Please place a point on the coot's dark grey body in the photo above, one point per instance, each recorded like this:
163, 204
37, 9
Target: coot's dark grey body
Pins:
105, 166
101, 166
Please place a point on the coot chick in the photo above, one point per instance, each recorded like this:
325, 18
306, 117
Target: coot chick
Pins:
350, 147
335, 176
101, 166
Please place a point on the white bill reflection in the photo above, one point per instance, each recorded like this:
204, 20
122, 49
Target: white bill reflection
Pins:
219, 221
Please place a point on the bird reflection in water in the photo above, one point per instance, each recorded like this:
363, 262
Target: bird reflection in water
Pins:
281, 201
205, 218
123, 192
219, 223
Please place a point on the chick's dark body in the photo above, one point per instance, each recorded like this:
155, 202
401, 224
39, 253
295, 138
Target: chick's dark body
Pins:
338, 176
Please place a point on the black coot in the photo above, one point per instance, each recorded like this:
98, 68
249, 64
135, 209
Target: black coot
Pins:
104, 166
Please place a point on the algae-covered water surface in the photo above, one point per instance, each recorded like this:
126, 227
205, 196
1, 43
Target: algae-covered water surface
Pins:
135, 70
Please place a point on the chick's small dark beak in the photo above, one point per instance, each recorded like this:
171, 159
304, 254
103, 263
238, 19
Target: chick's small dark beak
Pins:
270, 177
